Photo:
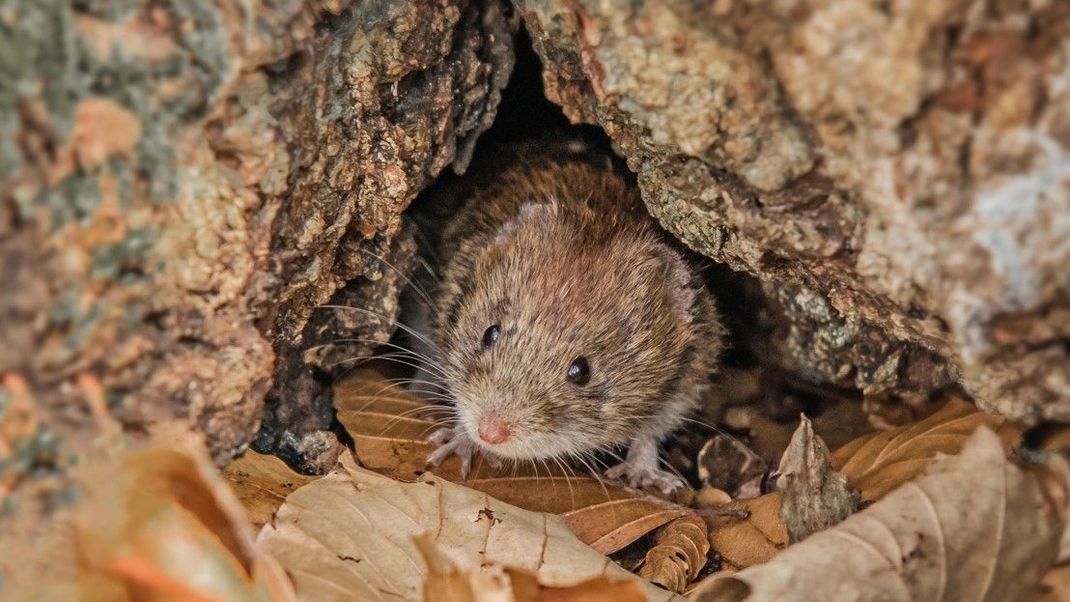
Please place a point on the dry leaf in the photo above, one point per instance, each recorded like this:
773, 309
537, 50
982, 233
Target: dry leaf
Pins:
262, 483
878, 463
349, 535
1056, 585
753, 539
165, 526
678, 554
725, 463
974, 527
815, 496
389, 426
495, 583
611, 526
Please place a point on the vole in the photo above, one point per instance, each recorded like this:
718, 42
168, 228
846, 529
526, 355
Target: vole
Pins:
564, 321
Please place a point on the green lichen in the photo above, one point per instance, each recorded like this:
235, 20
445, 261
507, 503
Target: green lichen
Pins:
122, 257
35, 456
75, 198
83, 326
44, 59
114, 397
65, 496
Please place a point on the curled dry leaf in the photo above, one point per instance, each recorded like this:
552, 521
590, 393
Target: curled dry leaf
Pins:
389, 428
878, 463
611, 526
678, 554
495, 583
815, 496
349, 535
167, 527
974, 527
261, 483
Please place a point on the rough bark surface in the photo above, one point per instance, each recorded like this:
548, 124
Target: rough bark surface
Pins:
896, 174
182, 183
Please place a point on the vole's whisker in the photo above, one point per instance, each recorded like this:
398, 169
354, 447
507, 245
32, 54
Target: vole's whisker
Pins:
419, 289
402, 383
594, 473
428, 362
442, 422
438, 424
427, 268
568, 479
386, 357
712, 427
405, 327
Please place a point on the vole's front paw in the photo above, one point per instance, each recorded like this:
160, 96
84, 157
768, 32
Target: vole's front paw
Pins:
456, 442
640, 475
452, 442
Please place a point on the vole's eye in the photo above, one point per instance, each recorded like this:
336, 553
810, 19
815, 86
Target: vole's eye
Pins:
490, 336
579, 371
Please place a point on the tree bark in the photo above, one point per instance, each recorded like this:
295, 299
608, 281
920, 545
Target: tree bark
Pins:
184, 183
895, 174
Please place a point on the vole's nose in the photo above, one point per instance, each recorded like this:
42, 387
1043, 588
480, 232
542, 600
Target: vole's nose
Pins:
494, 431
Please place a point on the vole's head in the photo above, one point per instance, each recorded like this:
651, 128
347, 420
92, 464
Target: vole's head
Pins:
565, 337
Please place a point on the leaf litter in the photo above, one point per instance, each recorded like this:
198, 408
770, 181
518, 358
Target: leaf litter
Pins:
973, 527
359, 534
352, 535
874, 465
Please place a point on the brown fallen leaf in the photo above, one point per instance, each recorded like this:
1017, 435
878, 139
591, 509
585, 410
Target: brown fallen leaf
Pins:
974, 527
261, 483
389, 428
494, 583
166, 526
1056, 585
611, 526
754, 538
349, 535
814, 495
878, 463
678, 554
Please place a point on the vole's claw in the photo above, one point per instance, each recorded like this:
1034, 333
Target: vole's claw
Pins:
452, 442
440, 436
640, 468
640, 477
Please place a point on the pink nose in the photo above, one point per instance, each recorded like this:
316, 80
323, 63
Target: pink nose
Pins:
494, 431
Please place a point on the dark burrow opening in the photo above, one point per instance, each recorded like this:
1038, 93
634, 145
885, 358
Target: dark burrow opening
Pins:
752, 390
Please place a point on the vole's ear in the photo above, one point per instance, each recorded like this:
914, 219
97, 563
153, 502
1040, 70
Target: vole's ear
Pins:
677, 281
530, 212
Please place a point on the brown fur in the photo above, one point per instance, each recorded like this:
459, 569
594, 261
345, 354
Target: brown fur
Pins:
561, 253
